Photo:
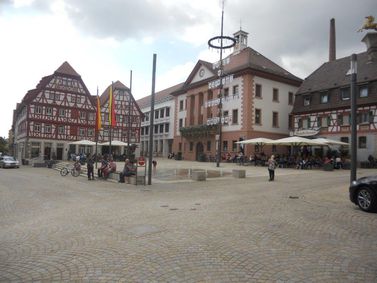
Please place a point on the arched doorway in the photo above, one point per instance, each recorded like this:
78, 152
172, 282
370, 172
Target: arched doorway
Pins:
199, 151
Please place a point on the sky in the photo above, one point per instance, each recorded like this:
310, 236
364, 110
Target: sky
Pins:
104, 40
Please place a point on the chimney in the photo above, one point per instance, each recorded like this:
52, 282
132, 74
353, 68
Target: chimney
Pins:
370, 39
332, 45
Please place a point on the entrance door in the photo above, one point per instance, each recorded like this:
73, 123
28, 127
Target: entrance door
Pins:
59, 153
47, 153
199, 152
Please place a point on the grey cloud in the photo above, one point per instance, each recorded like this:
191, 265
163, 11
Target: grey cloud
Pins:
295, 27
129, 19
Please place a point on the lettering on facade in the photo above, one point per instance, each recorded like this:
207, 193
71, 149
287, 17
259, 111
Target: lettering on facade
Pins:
216, 83
215, 120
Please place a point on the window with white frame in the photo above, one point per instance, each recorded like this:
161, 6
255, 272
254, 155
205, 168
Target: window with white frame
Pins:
324, 97
275, 95
345, 93
61, 130
307, 100
62, 112
48, 129
37, 127
82, 115
290, 98
236, 90
363, 91
90, 132
38, 110
275, 119
81, 132
48, 111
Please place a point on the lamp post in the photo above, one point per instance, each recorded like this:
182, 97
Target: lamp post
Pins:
353, 117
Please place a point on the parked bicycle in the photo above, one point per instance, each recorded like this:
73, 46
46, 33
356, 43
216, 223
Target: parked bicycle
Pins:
75, 170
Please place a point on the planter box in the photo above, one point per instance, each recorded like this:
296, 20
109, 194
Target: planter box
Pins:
198, 175
237, 173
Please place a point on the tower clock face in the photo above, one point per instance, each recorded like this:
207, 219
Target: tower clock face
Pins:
201, 72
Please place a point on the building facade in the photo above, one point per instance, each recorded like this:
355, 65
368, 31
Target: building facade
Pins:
256, 101
163, 126
323, 102
59, 111
128, 118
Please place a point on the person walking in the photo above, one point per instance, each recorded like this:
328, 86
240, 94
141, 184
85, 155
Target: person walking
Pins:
154, 163
271, 167
90, 167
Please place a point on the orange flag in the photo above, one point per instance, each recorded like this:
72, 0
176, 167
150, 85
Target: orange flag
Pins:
98, 115
112, 120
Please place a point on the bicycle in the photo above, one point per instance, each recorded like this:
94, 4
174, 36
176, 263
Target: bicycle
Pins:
75, 170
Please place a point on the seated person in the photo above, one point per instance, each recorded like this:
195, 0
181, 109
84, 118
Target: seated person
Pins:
338, 163
128, 170
110, 168
104, 165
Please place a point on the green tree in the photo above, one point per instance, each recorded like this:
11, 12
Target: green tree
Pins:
3, 145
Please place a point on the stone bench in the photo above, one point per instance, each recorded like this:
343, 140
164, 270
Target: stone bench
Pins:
238, 173
114, 176
137, 180
198, 175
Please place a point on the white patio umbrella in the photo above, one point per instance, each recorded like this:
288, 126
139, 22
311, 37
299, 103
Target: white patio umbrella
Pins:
331, 142
296, 141
84, 142
256, 141
115, 143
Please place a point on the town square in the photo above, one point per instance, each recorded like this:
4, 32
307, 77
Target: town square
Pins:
300, 228
188, 141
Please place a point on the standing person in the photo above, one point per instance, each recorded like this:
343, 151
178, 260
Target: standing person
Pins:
271, 167
154, 163
90, 167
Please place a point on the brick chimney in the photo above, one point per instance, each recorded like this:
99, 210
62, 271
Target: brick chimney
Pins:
332, 43
370, 39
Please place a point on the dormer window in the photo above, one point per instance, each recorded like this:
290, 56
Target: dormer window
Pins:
345, 93
307, 100
363, 91
324, 97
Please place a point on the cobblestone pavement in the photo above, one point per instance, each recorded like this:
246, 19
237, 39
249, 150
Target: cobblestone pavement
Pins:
300, 228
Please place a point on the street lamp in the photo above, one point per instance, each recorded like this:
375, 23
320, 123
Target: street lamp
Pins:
353, 72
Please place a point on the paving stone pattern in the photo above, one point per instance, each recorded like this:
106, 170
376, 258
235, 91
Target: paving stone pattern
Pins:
299, 228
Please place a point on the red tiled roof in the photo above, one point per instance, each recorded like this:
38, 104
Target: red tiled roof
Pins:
67, 69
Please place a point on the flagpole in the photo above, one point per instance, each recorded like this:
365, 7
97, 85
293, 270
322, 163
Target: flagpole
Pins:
97, 130
110, 116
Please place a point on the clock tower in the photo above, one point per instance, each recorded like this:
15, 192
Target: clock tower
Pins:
241, 40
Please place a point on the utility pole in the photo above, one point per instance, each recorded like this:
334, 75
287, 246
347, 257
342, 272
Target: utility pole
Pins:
150, 155
353, 117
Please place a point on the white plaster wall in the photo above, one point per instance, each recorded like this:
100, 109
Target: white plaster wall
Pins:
268, 106
234, 103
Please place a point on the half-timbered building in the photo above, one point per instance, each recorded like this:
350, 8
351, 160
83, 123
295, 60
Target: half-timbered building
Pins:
61, 110
128, 118
58, 111
323, 102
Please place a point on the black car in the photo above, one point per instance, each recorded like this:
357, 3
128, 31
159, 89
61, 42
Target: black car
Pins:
363, 192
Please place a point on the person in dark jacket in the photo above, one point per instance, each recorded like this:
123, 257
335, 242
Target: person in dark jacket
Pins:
90, 167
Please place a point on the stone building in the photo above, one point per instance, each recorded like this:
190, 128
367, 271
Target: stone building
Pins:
257, 99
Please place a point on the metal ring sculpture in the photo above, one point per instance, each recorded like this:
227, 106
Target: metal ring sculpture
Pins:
233, 42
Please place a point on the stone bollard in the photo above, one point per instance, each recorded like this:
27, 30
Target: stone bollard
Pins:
198, 175
237, 173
